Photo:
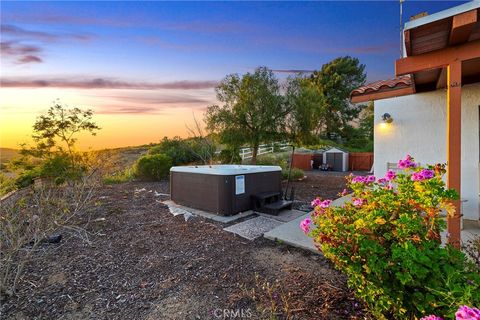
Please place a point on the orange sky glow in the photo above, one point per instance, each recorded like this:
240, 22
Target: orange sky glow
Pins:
121, 123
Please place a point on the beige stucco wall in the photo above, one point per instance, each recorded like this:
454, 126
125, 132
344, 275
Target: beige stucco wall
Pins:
419, 129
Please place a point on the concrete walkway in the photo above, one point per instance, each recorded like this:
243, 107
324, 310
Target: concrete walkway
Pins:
290, 232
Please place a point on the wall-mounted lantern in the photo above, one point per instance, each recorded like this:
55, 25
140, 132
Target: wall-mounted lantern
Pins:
387, 118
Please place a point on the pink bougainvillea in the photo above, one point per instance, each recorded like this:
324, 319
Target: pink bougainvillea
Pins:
467, 313
390, 175
407, 162
305, 225
357, 202
391, 223
431, 317
316, 202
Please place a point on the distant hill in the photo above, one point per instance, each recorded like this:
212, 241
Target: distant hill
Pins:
117, 158
7, 154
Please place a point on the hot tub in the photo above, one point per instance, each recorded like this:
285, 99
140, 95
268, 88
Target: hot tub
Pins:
222, 189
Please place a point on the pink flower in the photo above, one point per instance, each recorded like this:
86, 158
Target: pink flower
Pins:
467, 313
417, 176
305, 225
316, 202
427, 173
370, 179
358, 202
407, 162
358, 179
391, 175
325, 204
382, 180
431, 317
344, 192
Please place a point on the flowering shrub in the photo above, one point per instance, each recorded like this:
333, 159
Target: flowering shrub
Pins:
463, 313
387, 241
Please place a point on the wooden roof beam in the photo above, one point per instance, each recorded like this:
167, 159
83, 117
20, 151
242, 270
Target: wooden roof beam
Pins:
462, 26
442, 79
437, 59
408, 42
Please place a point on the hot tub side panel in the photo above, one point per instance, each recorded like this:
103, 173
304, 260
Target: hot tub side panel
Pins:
216, 193
255, 183
199, 191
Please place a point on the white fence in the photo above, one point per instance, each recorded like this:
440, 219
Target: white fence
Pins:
246, 153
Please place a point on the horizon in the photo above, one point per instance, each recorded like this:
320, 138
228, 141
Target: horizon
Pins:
145, 68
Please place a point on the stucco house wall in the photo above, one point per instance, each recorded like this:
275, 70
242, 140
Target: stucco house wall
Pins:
419, 129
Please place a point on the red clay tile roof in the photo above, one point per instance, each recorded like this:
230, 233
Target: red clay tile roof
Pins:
384, 85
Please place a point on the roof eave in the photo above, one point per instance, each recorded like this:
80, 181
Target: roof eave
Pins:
472, 5
379, 95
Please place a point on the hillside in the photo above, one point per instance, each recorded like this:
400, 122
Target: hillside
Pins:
6, 154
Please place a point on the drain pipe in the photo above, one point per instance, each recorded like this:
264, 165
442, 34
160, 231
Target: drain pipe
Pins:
289, 171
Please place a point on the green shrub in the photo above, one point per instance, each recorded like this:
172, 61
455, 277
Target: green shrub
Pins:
60, 167
177, 149
387, 241
295, 174
228, 156
267, 160
6, 184
153, 167
119, 177
276, 159
185, 151
26, 178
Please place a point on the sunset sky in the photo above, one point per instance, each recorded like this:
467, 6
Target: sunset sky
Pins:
146, 67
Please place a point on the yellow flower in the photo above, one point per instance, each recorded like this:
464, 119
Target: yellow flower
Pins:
360, 224
449, 207
380, 221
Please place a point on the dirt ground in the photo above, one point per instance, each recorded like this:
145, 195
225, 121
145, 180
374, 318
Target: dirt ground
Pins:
141, 262
323, 184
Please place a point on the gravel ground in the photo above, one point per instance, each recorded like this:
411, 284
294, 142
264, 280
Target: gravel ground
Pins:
142, 263
323, 184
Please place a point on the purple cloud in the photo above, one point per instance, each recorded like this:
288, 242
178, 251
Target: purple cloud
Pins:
20, 53
21, 33
160, 99
29, 59
128, 110
102, 83
317, 45
292, 71
219, 27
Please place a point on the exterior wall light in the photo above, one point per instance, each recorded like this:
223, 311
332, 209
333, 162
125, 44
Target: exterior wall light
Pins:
387, 118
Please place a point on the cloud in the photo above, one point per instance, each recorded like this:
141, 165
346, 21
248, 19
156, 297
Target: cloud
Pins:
29, 59
146, 103
143, 21
321, 45
21, 33
292, 71
20, 53
161, 99
103, 83
128, 110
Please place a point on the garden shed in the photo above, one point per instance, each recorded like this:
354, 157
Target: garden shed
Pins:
336, 158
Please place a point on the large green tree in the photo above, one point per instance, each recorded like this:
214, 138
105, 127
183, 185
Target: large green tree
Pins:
335, 81
251, 110
305, 101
